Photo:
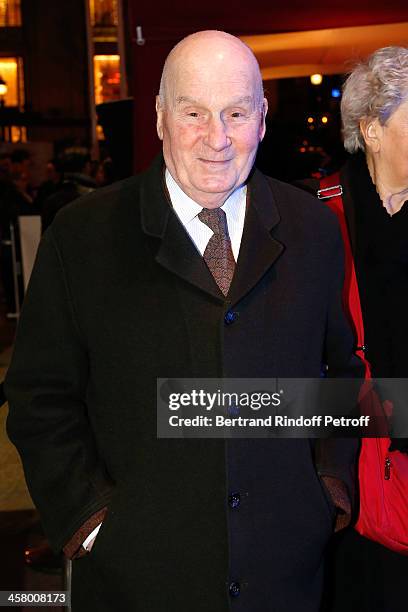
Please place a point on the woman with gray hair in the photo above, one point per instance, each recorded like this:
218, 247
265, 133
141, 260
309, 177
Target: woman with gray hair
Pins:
374, 111
374, 108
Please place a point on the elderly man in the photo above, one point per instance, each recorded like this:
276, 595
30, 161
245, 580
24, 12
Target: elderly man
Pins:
201, 267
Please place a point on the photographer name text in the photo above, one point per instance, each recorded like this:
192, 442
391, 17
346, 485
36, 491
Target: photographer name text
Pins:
269, 421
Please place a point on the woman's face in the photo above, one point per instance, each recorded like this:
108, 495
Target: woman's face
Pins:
393, 146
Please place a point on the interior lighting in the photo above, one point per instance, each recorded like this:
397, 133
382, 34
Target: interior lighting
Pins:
310, 119
316, 79
325, 119
3, 87
335, 93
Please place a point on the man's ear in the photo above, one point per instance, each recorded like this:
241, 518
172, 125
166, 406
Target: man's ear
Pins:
159, 122
371, 130
263, 124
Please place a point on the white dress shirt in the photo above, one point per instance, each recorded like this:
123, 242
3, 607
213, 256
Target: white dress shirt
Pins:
187, 211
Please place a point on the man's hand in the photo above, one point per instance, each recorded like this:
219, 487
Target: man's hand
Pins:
83, 539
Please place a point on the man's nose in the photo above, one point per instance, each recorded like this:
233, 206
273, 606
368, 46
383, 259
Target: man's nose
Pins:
217, 134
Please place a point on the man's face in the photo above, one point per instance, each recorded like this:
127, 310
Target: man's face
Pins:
211, 124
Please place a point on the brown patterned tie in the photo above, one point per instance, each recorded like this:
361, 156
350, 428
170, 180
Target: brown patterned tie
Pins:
218, 254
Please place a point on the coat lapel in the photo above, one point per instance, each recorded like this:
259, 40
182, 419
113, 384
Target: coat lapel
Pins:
178, 254
259, 250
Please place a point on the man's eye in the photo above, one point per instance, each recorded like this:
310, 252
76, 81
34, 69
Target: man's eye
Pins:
236, 114
193, 114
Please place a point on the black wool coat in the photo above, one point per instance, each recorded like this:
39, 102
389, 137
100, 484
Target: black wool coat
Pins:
119, 296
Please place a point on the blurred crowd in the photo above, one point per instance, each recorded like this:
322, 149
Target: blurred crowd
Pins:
68, 176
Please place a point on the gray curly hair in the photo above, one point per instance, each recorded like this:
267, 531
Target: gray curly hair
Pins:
374, 89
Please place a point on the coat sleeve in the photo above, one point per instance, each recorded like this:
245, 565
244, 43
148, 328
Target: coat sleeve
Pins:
336, 458
341, 343
48, 422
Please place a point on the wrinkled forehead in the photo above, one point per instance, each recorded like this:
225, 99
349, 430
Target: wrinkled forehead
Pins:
208, 81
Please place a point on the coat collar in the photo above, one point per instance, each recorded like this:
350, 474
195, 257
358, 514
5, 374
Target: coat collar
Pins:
177, 253
349, 209
357, 187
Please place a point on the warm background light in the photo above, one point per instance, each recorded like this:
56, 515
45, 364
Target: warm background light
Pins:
325, 51
316, 79
11, 71
3, 87
10, 13
107, 78
103, 12
8, 71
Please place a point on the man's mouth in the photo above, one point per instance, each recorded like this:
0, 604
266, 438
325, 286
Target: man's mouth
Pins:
214, 162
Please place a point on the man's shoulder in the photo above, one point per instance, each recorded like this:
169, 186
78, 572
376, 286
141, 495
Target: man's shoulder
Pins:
101, 200
103, 207
297, 203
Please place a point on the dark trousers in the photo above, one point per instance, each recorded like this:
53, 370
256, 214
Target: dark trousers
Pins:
364, 576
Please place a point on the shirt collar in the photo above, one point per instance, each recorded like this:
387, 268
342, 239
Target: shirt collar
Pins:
183, 205
187, 209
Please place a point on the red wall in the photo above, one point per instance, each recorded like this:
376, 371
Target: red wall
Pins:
164, 27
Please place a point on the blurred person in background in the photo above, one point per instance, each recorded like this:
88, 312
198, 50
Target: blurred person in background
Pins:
5, 167
75, 167
15, 200
52, 182
21, 169
5, 254
22, 186
105, 173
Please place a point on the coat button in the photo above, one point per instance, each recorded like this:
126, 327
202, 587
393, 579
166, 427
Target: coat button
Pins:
234, 589
230, 317
234, 499
233, 410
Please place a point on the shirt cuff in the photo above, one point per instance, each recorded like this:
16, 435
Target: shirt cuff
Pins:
341, 499
91, 537
74, 549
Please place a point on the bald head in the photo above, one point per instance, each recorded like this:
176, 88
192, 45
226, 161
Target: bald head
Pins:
210, 115
212, 49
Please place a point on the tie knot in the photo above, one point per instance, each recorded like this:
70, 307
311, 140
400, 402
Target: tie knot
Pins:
216, 220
